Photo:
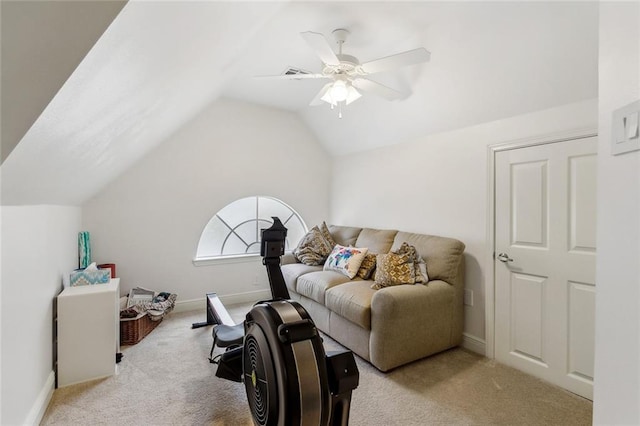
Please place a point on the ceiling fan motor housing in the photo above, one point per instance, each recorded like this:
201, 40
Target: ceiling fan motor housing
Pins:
340, 35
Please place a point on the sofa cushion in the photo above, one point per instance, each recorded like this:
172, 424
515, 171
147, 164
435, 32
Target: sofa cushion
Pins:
394, 269
376, 240
442, 255
314, 284
352, 301
291, 272
344, 235
346, 260
313, 248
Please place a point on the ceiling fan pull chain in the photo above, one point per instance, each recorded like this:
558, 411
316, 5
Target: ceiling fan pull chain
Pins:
339, 109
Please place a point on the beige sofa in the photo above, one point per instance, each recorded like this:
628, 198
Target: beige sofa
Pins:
394, 325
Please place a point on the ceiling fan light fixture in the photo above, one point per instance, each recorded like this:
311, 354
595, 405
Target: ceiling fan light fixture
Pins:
328, 99
352, 94
339, 91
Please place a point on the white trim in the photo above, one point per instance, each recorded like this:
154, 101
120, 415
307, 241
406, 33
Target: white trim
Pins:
223, 260
474, 344
190, 305
235, 258
42, 401
544, 139
489, 324
489, 276
228, 299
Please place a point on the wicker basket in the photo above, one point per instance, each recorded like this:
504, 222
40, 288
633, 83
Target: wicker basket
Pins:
132, 330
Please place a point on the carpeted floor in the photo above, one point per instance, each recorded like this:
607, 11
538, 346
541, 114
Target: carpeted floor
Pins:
166, 379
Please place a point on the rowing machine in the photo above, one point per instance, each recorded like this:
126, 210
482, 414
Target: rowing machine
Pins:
288, 377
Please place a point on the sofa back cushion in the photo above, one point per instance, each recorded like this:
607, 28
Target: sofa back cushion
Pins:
442, 255
378, 241
344, 235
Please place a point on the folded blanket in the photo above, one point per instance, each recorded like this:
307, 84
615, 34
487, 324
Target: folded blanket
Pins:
157, 308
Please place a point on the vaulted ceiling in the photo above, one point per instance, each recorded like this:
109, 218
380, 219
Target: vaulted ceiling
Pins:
159, 63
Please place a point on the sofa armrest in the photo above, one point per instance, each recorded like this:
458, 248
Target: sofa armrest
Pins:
409, 322
288, 258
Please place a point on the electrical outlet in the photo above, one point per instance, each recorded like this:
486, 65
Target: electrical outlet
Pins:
468, 297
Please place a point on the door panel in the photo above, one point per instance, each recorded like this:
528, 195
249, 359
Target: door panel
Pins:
545, 204
529, 204
527, 313
582, 203
582, 298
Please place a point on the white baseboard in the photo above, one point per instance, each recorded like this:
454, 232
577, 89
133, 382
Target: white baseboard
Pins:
190, 305
228, 299
42, 402
474, 344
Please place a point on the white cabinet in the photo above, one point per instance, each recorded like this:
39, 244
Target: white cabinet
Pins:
88, 332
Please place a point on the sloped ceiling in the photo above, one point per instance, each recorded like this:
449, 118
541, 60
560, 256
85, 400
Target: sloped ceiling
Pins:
160, 63
36, 63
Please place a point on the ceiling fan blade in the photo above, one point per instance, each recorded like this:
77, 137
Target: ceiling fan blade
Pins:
410, 57
319, 44
318, 98
290, 77
377, 88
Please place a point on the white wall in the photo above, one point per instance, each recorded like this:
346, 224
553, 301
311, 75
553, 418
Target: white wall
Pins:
437, 185
39, 245
617, 363
150, 219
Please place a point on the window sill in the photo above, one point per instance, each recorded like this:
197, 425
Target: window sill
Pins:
235, 258
225, 260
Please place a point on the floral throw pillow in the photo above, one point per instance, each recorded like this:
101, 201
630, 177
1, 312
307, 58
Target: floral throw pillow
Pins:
313, 249
346, 260
393, 269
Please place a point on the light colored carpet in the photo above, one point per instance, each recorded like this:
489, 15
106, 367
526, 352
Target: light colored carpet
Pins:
166, 379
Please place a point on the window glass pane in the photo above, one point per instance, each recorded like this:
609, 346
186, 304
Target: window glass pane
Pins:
254, 248
239, 211
236, 229
295, 232
248, 232
213, 234
233, 245
268, 207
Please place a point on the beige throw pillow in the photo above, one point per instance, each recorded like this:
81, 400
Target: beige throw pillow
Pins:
393, 269
324, 229
313, 249
420, 267
367, 266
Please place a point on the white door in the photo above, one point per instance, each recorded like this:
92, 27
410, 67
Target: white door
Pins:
545, 222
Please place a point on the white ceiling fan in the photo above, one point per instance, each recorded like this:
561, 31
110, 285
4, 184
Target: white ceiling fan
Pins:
348, 76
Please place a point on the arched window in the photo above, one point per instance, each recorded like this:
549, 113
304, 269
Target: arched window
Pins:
235, 230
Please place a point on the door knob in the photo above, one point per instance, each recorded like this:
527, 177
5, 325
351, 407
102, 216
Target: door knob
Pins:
504, 257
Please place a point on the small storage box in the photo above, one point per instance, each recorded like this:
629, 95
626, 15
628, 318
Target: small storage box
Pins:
83, 277
132, 330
